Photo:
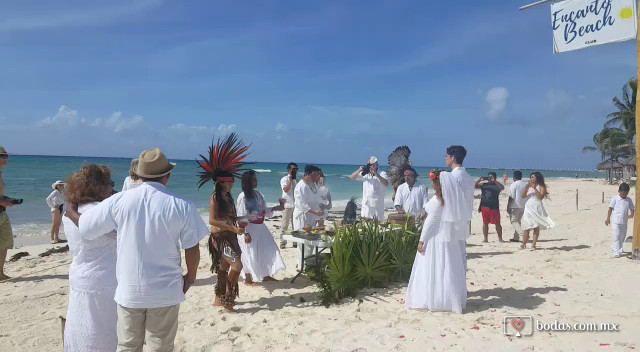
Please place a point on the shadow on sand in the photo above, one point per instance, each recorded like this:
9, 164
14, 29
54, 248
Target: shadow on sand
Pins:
528, 298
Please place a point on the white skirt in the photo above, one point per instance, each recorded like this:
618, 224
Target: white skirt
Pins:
438, 278
536, 216
91, 324
261, 257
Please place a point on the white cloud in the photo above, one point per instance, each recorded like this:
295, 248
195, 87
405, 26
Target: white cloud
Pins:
64, 116
497, 99
226, 129
117, 123
281, 127
75, 17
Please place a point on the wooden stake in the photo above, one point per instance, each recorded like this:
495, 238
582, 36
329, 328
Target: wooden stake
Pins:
576, 199
635, 253
602, 197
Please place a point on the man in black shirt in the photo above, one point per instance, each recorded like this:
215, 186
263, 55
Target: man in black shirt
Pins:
490, 204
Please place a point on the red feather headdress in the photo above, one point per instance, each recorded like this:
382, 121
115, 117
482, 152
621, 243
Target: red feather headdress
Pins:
225, 156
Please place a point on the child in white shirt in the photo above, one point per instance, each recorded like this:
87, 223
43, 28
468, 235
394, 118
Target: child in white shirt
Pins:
622, 209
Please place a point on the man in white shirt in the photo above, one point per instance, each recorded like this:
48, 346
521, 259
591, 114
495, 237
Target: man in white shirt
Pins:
622, 208
411, 196
152, 226
288, 186
373, 187
515, 205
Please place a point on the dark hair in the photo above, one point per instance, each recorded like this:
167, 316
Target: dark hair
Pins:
309, 169
224, 207
493, 174
87, 184
540, 181
291, 165
409, 168
458, 152
517, 175
624, 187
437, 186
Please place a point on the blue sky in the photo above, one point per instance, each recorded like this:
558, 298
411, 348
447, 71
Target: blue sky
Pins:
324, 81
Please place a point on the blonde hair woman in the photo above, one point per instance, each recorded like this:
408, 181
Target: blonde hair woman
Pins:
55, 201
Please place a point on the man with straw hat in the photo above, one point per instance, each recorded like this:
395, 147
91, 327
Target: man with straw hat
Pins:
6, 235
152, 225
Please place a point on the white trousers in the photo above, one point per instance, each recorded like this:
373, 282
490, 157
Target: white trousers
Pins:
619, 234
287, 219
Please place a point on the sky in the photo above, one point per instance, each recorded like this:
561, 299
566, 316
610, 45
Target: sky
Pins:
322, 82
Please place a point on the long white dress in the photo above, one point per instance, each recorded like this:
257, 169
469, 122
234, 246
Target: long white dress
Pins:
534, 213
438, 277
91, 315
261, 257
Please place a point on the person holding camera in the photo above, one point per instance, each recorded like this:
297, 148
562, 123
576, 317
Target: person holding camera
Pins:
288, 185
6, 234
490, 204
373, 187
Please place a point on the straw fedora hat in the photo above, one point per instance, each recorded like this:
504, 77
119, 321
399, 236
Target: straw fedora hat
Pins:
3, 151
57, 183
153, 164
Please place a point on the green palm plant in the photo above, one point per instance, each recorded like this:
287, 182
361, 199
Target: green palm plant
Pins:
626, 116
371, 258
600, 146
402, 246
340, 270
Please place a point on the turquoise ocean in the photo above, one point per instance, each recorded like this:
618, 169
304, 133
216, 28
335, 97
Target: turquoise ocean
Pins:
30, 178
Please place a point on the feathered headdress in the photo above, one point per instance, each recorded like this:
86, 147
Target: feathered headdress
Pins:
225, 158
398, 162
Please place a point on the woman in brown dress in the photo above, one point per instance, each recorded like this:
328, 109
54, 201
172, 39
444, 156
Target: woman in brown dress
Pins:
224, 163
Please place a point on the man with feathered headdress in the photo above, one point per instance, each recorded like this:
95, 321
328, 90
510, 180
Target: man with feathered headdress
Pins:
223, 164
152, 224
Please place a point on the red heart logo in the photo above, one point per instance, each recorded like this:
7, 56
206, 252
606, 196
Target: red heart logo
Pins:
517, 324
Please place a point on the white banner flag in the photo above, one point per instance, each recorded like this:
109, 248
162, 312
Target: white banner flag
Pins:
579, 24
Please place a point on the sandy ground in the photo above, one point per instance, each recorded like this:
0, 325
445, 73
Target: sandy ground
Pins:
572, 278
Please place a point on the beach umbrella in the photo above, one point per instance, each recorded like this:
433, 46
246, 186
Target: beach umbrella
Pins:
609, 165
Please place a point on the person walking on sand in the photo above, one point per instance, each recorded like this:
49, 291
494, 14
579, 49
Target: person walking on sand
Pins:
6, 234
535, 216
621, 207
91, 323
490, 204
153, 225
515, 205
55, 201
261, 258
288, 185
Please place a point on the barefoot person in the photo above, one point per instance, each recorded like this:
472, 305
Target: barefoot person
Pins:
152, 224
92, 312
222, 166
6, 234
325, 198
535, 216
288, 184
438, 278
307, 209
490, 204
261, 257
621, 207
55, 201
515, 205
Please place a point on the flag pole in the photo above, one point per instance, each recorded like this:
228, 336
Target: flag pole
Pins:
635, 253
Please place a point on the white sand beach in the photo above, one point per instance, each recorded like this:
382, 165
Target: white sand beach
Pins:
571, 278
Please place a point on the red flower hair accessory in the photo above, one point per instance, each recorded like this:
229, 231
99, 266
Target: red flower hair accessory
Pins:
433, 175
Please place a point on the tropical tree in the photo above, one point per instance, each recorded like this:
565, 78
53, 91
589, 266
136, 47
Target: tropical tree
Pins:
626, 116
600, 145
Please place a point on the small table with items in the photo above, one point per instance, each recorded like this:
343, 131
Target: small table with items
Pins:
320, 242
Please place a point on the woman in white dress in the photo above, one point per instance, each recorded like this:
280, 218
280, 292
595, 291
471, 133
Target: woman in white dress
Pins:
325, 196
260, 256
55, 201
91, 315
132, 181
535, 216
438, 278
